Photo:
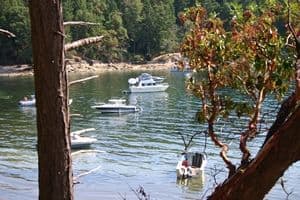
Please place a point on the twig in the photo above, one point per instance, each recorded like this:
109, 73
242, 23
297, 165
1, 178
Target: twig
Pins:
82, 131
87, 151
140, 193
284, 189
186, 145
86, 173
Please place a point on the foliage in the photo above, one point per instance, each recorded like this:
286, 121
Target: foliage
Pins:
14, 17
249, 57
132, 28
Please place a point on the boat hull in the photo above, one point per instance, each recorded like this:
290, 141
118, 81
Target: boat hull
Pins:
152, 88
83, 143
116, 110
27, 102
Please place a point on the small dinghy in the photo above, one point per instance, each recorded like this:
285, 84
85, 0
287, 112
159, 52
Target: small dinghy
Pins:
27, 101
80, 142
31, 101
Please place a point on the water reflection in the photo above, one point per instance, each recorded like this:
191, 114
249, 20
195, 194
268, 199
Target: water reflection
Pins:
138, 98
28, 110
192, 184
141, 148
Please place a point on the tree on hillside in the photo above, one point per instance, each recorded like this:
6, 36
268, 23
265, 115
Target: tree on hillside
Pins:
51, 89
158, 31
251, 60
14, 17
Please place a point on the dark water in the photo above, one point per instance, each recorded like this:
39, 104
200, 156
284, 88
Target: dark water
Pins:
132, 150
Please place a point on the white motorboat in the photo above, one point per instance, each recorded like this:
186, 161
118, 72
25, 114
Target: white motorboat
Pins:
116, 106
147, 83
31, 101
79, 142
191, 165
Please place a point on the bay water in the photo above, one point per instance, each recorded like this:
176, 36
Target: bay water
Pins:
132, 150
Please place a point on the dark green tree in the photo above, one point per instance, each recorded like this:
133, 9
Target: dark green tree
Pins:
14, 16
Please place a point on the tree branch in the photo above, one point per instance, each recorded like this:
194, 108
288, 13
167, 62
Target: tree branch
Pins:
82, 42
6, 32
82, 23
84, 79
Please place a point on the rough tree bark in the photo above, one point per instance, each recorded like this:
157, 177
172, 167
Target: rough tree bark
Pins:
51, 89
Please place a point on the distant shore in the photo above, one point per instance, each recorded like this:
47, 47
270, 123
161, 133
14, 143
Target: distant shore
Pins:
77, 65
84, 67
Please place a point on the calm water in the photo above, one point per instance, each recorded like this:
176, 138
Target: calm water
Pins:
132, 150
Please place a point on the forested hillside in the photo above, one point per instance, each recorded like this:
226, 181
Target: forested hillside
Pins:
133, 30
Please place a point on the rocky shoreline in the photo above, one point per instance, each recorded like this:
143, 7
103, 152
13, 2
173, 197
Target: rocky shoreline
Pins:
84, 67
81, 66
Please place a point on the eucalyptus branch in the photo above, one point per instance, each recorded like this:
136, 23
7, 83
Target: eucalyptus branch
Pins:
224, 149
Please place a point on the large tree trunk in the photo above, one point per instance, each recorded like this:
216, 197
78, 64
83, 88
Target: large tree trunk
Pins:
256, 180
51, 89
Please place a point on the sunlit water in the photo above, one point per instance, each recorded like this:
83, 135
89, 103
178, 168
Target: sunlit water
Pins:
133, 150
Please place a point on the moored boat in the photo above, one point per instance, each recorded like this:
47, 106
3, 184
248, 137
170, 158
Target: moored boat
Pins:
191, 165
27, 101
116, 106
147, 83
31, 101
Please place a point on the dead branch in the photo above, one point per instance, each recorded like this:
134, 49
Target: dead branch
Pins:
82, 80
75, 115
186, 145
6, 32
82, 42
140, 193
85, 173
282, 184
81, 23
82, 131
87, 151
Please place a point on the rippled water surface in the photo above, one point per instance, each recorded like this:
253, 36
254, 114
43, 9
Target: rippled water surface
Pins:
133, 150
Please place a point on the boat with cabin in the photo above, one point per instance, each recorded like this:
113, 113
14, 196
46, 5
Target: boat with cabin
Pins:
147, 83
116, 106
190, 165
